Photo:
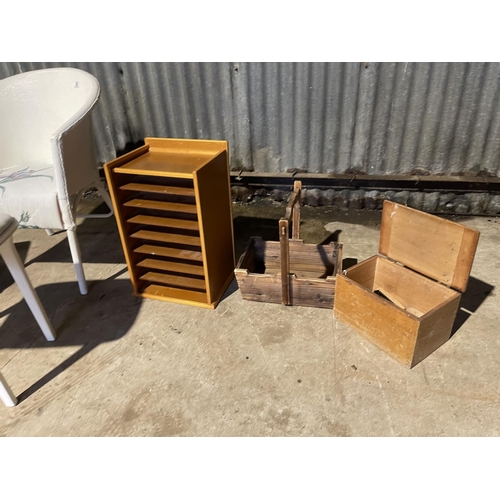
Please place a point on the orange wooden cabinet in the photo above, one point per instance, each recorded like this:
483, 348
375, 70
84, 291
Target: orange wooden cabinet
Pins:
405, 299
172, 200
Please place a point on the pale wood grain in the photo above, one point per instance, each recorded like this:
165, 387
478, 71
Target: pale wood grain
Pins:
428, 244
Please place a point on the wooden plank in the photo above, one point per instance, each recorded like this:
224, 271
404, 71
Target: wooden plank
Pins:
303, 292
303, 253
395, 300
376, 319
302, 273
293, 201
297, 187
149, 220
304, 264
156, 188
465, 259
178, 295
216, 224
164, 164
174, 253
284, 261
312, 292
298, 247
408, 289
435, 328
363, 273
174, 267
174, 281
122, 160
179, 239
428, 244
259, 287
385, 229
161, 205
208, 148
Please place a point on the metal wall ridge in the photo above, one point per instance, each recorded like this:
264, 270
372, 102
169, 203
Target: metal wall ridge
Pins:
331, 118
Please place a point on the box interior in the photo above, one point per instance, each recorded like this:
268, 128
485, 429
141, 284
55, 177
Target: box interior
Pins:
403, 287
306, 260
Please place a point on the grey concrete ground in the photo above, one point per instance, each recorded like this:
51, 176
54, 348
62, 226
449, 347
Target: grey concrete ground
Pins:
123, 366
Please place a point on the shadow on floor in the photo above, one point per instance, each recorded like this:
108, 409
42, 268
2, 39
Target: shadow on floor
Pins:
99, 243
333, 238
246, 227
105, 314
472, 298
5, 277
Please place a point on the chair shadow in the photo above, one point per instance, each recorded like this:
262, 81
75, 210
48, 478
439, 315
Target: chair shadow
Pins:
5, 277
476, 293
99, 243
105, 314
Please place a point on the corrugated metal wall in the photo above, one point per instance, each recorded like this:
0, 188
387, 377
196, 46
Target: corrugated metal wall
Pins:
376, 118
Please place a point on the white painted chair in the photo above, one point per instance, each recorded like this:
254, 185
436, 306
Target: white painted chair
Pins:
47, 157
8, 225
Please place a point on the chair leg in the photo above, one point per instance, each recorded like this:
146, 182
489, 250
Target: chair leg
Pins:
77, 260
49, 232
6, 394
16, 268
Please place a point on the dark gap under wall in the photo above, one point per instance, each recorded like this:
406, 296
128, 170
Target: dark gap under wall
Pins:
432, 194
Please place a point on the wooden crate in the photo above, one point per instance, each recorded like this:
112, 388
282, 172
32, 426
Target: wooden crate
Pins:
289, 272
172, 202
405, 299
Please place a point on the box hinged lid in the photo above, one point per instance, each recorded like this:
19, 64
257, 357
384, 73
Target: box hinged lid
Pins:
438, 248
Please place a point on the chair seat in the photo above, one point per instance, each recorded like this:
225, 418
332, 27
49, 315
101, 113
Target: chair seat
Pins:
28, 193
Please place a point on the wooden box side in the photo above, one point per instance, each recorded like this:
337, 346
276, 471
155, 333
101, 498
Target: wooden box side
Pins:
213, 201
376, 319
259, 287
312, 292
364, 272
435, 328
435, 247
323, 259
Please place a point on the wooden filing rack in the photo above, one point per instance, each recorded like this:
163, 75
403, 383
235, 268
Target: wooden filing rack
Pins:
172, 201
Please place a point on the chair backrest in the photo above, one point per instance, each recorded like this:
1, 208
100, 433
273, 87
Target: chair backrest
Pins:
36, 106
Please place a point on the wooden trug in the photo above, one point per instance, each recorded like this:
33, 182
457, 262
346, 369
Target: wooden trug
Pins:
289, 272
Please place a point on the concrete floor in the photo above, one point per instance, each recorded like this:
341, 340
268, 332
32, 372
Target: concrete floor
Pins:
123, 366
